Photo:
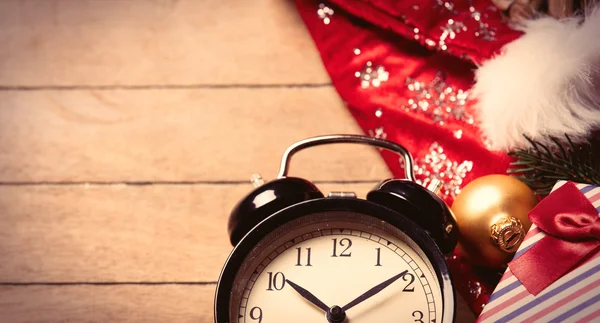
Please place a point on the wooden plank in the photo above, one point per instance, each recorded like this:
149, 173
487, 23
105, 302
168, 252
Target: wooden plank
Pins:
177, 304
167, 42
119, 233
107, 304
176, 135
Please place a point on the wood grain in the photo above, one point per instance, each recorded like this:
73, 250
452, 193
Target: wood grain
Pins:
148, 304
126, 128
159, 43
119, 233
176, 135
101, 304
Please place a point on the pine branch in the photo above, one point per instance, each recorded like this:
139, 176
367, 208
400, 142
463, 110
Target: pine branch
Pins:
542, 165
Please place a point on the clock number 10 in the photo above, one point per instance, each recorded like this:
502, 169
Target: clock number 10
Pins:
277, 281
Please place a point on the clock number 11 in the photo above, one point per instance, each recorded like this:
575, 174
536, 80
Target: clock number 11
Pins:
299, 263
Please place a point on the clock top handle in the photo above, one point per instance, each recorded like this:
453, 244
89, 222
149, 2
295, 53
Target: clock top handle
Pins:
355, 139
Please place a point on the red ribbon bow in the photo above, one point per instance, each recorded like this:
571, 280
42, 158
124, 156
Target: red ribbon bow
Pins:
572, 226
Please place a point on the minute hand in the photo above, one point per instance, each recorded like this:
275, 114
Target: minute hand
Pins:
373, 291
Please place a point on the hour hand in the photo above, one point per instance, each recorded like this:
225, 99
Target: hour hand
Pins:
308, 296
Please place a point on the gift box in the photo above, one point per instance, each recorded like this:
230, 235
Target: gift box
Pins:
555, 274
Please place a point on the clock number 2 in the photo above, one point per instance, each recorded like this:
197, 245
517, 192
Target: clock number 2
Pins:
274, 282
257, 316
412, 280
418, 315
343, 243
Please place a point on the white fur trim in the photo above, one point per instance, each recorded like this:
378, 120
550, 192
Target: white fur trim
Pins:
546, 83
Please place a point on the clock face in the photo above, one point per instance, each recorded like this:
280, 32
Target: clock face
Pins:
370, 269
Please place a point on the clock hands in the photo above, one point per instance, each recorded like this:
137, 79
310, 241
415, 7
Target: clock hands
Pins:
335, 314
308, 296
373, 291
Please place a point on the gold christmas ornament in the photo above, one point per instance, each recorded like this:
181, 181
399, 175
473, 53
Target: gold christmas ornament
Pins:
507, 233
491, 213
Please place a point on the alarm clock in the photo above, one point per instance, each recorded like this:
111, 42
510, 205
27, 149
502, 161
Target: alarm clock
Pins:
302, 257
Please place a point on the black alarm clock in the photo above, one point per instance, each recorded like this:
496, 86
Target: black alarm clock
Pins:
302, 257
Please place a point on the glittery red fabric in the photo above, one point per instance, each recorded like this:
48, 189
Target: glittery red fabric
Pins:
404, 69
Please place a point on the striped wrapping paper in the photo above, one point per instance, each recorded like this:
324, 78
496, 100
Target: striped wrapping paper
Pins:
574, 298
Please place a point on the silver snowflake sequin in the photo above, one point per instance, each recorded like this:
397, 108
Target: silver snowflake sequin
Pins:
378, 113
372, 76
448, 5
475, 14
437, 100
449, 31
378, 133
475, 288
484, 31
437, 166
325, 13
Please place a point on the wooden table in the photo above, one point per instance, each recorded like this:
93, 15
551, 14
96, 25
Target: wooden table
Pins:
128, 131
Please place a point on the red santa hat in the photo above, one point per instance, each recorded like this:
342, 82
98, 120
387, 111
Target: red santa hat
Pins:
544, 84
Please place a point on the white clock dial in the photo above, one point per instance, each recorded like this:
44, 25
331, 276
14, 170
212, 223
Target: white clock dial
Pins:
337, 264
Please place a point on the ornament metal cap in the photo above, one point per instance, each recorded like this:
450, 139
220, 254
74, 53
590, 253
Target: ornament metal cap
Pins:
507, 233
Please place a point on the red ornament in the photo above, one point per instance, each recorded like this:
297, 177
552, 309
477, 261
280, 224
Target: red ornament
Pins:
474, 285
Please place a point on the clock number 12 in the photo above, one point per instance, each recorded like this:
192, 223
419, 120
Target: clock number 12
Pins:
343, 243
